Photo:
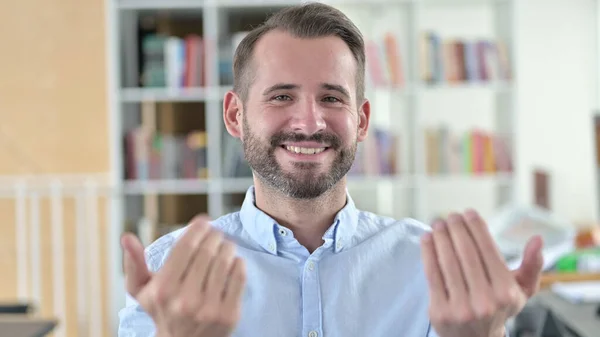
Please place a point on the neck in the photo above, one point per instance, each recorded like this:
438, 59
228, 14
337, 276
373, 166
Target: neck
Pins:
308, 219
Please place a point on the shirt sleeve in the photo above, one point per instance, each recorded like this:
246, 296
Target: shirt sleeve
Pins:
134, 322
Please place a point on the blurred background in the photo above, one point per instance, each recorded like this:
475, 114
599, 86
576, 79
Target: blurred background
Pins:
111, 121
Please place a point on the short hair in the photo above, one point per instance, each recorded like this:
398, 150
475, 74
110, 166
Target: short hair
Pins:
309, 20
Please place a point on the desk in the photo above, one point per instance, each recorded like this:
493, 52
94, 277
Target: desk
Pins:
24, 326
552, 277
581, 319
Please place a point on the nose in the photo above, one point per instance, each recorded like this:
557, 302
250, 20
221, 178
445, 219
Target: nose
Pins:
308, 119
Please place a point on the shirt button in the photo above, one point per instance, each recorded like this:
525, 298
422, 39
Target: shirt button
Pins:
283, 232
339, 245
313, 334
311, 266
272, 246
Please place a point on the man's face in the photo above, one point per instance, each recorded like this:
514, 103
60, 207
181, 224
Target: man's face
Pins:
301, 121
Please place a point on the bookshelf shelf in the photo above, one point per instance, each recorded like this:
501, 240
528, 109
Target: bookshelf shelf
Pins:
463, 179
234, 185
241, 185
389, 90
187, 186
198, 94
494, 86
204, 94
368, 182
499, 87
175, 186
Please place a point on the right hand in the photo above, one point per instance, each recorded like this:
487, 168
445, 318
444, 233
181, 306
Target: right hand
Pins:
197, 292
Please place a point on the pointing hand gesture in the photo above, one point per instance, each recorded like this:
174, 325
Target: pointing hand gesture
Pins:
472, 291
198, 290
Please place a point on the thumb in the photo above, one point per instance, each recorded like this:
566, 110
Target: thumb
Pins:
529, 273
136, 270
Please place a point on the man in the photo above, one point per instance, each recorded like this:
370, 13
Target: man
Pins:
299, 259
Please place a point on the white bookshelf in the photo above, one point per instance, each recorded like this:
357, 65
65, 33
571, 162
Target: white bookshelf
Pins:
414, 192
413, 19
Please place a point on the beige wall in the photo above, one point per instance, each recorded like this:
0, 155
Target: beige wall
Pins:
53, 117
53, 86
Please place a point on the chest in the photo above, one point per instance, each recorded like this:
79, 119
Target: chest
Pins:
351, 294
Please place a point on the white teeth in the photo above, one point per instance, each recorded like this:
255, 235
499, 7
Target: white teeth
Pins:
304, 150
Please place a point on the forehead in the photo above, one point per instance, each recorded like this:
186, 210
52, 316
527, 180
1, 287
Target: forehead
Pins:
281, 57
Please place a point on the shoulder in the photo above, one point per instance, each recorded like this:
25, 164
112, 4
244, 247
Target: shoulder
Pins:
404, 230
157, 252
393, 242
408, 226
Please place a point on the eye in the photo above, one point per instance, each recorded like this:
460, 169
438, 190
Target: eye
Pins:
331, 99
282, 98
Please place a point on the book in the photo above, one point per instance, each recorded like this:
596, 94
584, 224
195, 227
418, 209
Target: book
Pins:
172, 52
457, 60
475, 151
384, 65
152, 155
378, 155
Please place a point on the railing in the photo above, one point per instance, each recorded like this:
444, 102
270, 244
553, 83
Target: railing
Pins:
73, 220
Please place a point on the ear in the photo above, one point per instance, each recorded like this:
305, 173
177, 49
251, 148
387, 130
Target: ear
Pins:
364, 115
232, 114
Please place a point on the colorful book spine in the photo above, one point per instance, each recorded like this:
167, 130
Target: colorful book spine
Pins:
475, 152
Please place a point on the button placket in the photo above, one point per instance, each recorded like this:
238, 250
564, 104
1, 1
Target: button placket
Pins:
312, 310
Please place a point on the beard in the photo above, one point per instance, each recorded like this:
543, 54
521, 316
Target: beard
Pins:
304, 183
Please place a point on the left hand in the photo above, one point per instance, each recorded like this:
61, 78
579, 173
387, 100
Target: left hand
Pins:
472, 291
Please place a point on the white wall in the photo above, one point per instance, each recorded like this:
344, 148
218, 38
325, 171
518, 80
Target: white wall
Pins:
556, 62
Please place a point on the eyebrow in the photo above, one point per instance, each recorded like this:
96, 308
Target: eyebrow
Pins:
280, 86
289, 86
336, 87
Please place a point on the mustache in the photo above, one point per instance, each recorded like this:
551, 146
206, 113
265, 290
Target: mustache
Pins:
327, 138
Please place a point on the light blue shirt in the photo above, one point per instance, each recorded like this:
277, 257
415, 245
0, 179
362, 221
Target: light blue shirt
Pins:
366, 280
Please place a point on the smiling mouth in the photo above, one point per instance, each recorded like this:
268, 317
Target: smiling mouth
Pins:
304, 150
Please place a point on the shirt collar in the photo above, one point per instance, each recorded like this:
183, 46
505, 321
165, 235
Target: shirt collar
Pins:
264, 229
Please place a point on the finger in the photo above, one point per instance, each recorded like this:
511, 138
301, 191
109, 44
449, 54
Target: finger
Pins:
196, 279
235, 287
137, 274
448, 262
437, 289
530, 272
218, 272
184, 251
493, 261
194, 282
471, 264
191, 294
